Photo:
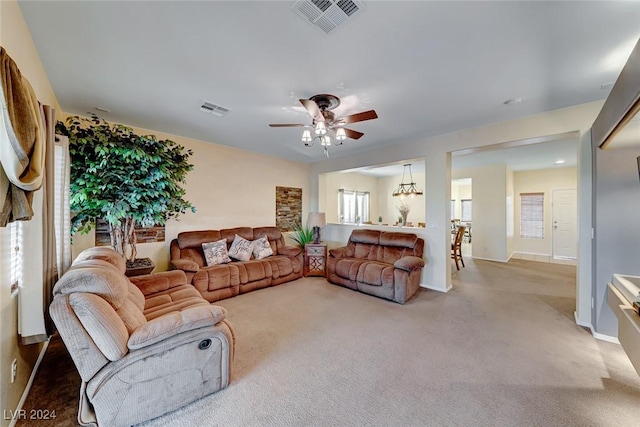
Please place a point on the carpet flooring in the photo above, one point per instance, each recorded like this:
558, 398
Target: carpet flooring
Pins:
500, 349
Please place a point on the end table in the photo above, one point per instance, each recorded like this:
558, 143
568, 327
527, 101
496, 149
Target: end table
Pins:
315, 263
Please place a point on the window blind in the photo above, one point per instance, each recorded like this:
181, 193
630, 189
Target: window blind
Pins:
532, 215
465, 205
353, 206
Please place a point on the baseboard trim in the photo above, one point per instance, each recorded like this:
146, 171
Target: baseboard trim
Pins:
603, 337
596, 335
27, 388
436, 288
489, 259
579, 323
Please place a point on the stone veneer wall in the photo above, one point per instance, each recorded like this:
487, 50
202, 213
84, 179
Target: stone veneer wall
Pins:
288, 207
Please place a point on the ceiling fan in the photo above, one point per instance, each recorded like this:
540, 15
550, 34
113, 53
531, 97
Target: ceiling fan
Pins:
324, 121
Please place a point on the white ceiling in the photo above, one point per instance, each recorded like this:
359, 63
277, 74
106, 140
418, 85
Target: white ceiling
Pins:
426, 67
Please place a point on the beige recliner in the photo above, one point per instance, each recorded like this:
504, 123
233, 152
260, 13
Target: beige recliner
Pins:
142, 350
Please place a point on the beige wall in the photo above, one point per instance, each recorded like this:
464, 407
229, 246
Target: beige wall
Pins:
489, 210
16, 39
229, 188
544, 181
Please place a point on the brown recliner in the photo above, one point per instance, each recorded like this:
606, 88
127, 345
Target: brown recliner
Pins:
221, 281
143, 346
381, 263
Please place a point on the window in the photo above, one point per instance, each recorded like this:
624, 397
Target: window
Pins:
353, 206
532, 215
453, 209
465, 206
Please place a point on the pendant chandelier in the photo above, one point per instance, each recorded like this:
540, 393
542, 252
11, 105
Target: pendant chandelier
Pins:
407, 189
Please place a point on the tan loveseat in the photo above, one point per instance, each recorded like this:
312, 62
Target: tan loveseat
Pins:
143, 347
381, 263
221, 281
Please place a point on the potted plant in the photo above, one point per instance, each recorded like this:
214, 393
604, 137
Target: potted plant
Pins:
302, 235
380, 220
124, 178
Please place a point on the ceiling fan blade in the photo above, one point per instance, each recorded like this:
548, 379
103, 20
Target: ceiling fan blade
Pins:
288, 125
353, 134
359, 117
313, 109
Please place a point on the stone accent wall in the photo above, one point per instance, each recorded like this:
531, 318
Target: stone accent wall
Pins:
288, 207
143, 234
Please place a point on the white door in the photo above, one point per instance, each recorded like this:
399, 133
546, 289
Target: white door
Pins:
565, 223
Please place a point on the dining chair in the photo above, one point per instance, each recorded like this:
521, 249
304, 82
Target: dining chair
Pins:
456, 247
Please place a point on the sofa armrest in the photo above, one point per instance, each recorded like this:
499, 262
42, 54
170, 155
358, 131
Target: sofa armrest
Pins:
185, 265
158, 282
290, 251
175, 323
338, 252
409, 263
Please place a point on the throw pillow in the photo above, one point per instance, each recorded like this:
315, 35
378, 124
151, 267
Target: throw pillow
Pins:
216, 252
241, 249
262, 248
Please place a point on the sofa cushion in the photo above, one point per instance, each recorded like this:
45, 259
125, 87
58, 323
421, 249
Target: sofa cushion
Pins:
131, 315
281, 266
217, 277
174, 323
216, 252
254, 270
371, 237
375, 273
102, 323
96, 277
230, 234
241, 249
195, 239
262, 248
104, 253
348, 268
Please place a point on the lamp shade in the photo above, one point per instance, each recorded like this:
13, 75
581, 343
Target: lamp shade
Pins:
321, 129
316, 219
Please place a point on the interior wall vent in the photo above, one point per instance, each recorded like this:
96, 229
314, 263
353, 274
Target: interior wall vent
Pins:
211, 108
327, 14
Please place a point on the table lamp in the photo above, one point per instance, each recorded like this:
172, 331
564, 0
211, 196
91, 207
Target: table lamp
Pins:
315, 221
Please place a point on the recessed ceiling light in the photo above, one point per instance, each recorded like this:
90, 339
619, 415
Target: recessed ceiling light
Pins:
559, 162
513, 101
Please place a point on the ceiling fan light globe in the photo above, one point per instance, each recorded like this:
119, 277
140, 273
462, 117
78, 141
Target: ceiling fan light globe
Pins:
341, 135
306, 136
321, 129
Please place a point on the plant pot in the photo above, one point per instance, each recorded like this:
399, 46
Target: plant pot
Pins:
139, 266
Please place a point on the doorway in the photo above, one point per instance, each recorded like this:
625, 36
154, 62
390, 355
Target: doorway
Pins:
565, 224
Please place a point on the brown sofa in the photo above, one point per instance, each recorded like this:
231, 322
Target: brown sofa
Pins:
144, 346
227, 280
381, 263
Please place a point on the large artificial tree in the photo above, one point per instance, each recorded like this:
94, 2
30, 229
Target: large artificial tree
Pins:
126, 179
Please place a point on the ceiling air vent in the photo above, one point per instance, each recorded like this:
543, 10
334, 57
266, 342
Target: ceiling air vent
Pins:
327, 14
216, 110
